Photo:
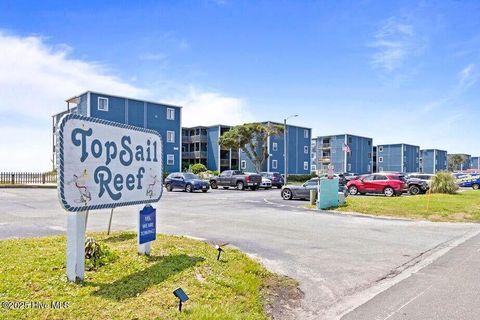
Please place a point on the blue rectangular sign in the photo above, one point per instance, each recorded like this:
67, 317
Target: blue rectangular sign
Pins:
147, 227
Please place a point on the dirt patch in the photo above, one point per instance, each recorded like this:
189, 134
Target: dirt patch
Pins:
282, 297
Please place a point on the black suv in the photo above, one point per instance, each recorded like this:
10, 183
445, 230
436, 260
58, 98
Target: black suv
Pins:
418, 183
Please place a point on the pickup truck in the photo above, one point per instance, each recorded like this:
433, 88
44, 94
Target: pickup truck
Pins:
236, 178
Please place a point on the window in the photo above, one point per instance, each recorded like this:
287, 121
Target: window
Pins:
380, 169
369, 155
170, 114
369, 168
274, 164
275, 146
102, 104
305, 133
416, 159
380, 149
349, 167
171, 136
369, 142
243, 164
170, 159
314, 167
305, 165
305, 149
380, 159
350, 140
380, 177
369, 178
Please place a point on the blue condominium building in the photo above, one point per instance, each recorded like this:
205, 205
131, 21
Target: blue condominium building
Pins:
298, 151
163, 118
398, 157
475, 163
346, 152
200, 145
433, 161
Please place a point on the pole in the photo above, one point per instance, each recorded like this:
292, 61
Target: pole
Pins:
76, 222
86, 219
285, 146
110, 222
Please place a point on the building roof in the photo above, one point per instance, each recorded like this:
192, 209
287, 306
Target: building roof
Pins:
74, 98
344, 134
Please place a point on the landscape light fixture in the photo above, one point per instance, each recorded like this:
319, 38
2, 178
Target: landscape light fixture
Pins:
182, 297
220, 249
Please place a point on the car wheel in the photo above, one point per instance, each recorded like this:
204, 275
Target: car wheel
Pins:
225, 188
213, 184
414, 190
287, 194
168, 186
389, 192
279, 187
204, 191
475, 186
240, 185
353, 190
189, 188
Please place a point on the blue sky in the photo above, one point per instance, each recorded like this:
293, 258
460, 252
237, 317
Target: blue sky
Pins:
397, 71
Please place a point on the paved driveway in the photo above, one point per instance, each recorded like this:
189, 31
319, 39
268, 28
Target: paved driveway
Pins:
338, 259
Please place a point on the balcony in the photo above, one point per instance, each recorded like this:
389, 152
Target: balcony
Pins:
194, 155
325, 159
195, 139
234, 154
225, 162
326, 145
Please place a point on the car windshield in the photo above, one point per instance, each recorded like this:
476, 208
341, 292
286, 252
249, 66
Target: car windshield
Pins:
190, 176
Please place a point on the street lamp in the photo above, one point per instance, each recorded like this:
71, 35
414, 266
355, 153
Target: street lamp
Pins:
285, 145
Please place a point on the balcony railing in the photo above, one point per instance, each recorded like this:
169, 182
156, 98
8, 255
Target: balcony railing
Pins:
194, 139
326, 145
325, 159
225, 162
194, 154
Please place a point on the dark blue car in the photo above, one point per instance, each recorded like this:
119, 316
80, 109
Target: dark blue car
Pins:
468, 180
185, 181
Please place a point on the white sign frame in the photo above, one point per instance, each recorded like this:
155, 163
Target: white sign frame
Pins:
152, 170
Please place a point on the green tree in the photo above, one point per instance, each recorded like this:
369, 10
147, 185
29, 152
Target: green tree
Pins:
454, 162
251, 138
197, 168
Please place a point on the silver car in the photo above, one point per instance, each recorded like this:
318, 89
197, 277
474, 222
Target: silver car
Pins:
290, 192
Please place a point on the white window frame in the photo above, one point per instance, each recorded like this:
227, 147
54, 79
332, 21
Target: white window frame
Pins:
170, 159
305, 133
170, 114
106, 104
305, 149
349, 167
170, 136
243, 164
305, 165
380, 169
380, 149
275, 146
274, 164
380, 159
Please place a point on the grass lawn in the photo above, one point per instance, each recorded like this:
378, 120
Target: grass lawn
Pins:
137, 287
464, 206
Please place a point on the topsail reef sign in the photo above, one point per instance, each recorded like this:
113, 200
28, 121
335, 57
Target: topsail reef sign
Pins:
103, 164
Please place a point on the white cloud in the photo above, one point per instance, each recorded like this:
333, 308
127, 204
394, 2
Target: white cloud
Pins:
35, 80
395, 42
467, 77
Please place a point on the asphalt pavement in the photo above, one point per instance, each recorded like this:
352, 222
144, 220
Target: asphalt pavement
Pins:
341, 261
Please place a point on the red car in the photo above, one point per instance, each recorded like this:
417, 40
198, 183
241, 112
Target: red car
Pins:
390, 184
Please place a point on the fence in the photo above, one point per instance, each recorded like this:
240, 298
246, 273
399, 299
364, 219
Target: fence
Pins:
28, 177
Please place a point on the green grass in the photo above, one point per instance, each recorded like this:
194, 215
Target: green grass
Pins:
463, 206
133, 286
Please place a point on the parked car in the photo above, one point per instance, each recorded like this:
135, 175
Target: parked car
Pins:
275, 177
290, 192
238, 179
342, 179
185, 181
468, 180
418, 183
390, 184
266, 183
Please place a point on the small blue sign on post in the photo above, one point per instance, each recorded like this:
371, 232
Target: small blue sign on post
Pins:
147, 227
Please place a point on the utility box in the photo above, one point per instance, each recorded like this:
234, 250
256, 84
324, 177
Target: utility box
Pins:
328, 195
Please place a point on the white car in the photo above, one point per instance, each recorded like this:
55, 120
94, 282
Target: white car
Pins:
266, 183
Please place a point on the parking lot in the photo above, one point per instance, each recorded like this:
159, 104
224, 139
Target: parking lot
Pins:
338, 259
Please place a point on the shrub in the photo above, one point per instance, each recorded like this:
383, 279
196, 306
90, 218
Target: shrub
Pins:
443, 182
197, 168
97, 254
300, 177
